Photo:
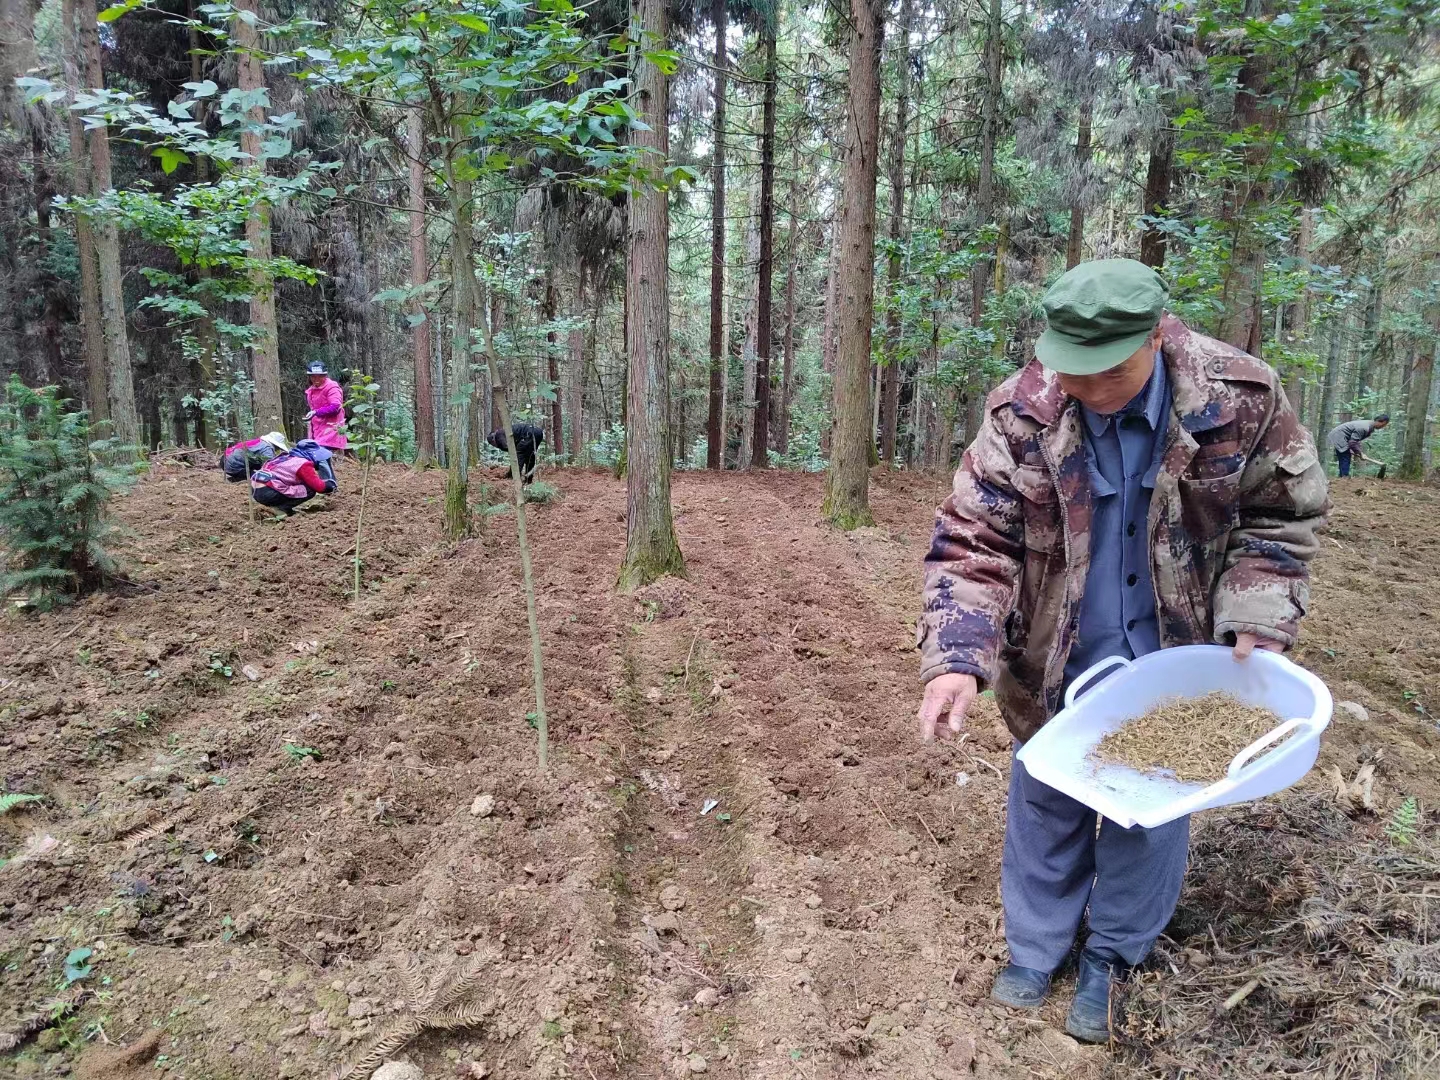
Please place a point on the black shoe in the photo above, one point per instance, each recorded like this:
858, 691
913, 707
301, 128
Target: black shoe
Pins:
1020, 987
1096, 1006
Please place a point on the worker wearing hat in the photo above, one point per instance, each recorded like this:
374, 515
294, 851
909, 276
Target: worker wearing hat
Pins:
327, 409
1136, 486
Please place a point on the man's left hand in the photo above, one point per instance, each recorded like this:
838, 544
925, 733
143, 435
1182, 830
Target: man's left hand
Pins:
1245, 644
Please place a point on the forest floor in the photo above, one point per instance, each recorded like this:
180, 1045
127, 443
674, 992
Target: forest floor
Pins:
287, 825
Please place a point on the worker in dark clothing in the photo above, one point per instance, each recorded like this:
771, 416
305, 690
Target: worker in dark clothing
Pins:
528, 438
1345, 440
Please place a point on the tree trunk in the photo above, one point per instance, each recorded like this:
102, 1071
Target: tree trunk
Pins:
715, 422
575, 371
552, 363
92, 334
1157, 196
748, 353
828, 342
989, 133
265, 343
1242, 299
1412, 460
847, 498
420, 275
985, 189
760, 451
890, 378
651, 549
1075, 243
1298, 314
111, 281
787, 378
207, 337
17, 57
462, 389
1333, 365
1369, 344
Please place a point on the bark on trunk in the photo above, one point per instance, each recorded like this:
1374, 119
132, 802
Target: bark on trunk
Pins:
651, 549
207, 337
420, 275
1075, 243
575, 372
92, 335
1157, 196
111, 282
462, 389
1412, 461
827, 333
552, 364
989, 132
890, 376
265, 344
787, 378
715, 421
1333, 365
1242, 300
748, 352
985, 189
760, 449
1298, 315
847, 499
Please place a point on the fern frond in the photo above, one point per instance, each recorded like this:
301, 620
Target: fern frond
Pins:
50, 1012
1404, 822
390, 1040
460, 1016
468, 980
413, 982
16, 799
135, 837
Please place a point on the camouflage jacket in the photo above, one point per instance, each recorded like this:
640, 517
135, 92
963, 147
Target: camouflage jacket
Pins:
1232, 526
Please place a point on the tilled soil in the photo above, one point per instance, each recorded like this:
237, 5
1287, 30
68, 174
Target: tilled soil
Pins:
285, 822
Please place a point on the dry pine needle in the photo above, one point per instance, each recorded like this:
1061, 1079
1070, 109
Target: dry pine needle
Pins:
1193, 739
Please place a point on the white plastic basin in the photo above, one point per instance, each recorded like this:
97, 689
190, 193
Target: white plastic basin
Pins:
1058, 754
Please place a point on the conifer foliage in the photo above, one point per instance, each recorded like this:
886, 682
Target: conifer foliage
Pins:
55, 487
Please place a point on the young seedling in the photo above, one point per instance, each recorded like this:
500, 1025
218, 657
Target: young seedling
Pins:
369, 437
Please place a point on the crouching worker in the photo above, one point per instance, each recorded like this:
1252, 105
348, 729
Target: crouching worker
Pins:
528, 438
1136, 486
250, 456
288, 481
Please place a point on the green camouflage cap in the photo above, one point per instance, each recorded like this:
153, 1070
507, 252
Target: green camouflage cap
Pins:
1099, 313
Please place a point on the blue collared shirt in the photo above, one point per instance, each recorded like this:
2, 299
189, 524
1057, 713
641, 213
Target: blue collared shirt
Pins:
1124, 451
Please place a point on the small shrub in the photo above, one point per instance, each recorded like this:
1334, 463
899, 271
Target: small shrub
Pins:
55, 487
541, 492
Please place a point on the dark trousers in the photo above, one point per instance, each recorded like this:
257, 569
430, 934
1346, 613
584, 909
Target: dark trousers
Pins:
268, 496
1343, 457
1056, 863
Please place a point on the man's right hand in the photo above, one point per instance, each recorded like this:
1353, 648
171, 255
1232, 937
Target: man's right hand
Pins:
942, 713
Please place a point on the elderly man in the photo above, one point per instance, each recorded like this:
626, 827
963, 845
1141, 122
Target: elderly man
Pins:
1135, 486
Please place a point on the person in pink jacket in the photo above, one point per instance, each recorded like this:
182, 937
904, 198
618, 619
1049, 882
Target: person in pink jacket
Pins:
327, 409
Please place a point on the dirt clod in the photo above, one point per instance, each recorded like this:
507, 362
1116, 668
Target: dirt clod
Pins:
1193, 739
397, 1070
708, 998
671, 898
483, 806
1354, 710
696, 1063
